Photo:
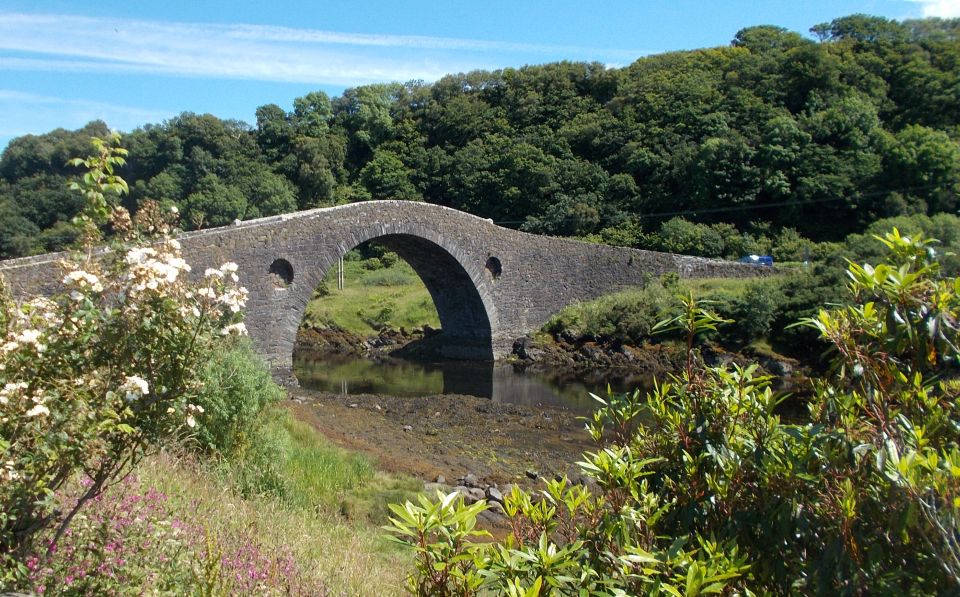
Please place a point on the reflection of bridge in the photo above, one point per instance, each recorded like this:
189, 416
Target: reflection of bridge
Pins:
490, 284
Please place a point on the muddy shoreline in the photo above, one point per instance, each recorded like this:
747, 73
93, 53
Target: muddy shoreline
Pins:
449, 436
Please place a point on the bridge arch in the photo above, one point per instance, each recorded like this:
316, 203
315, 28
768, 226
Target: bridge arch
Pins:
466, 309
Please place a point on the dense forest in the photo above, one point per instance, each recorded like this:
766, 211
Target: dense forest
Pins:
775, 136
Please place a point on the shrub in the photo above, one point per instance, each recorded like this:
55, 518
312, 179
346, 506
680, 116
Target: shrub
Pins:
93, 377
629, 316
236, 388
388, 277
698, 487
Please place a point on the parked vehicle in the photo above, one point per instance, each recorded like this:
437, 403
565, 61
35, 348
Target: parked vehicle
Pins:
757, 259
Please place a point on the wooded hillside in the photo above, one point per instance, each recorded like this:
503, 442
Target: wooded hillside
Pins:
775, 130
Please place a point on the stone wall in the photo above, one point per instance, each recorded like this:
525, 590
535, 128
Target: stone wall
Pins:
490, 284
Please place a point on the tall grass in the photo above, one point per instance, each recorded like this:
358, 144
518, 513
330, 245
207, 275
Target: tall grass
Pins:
348, 557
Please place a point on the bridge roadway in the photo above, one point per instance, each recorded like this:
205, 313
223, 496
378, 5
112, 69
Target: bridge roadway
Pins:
490, 284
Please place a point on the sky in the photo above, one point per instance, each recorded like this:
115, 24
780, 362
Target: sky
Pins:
63, 63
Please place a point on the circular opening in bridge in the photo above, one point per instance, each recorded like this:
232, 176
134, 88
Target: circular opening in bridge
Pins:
494, 267
281, 272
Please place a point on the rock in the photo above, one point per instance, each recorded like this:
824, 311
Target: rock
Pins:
526, 349
470, 480
780, 367
441, 479
408, 427
471, 495
507, 489
431, 488
532, 474
354, 405
491, 518
496, 507
494, 495
592, 353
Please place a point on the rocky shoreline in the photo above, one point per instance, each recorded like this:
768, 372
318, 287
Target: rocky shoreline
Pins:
564, 357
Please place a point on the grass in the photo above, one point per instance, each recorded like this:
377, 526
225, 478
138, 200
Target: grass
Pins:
732, 287
326, 511
348, 557
372, 299
320, 475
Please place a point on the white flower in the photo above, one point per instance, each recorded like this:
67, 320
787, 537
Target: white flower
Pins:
83, 279
210, 272
134, 387
29, 336
139, 255
11, 389
8, 471
37, 410
174, 210
238, 328
9, 347
193, 409
228, 267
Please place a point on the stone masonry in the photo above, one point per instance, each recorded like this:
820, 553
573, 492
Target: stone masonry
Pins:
490, 284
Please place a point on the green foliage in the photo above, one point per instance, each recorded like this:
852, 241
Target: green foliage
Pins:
699, 487
382, 291
440, 533
237, 388
99, 179
629, 316
389, 277
98, 374
678, 235
632, 316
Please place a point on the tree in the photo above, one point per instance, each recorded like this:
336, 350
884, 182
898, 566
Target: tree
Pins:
386, 177
214, 203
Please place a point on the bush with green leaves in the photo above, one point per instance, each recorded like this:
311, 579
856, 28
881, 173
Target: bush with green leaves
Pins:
699, 487
93, 377
236, 388
629, 316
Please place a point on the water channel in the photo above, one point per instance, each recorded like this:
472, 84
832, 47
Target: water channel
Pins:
498, 382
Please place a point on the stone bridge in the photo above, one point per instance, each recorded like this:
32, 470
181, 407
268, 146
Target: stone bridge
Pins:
490, 284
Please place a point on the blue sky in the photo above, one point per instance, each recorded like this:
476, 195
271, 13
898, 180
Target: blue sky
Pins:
129, 63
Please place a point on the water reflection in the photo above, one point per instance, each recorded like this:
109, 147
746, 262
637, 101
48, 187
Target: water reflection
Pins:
500, 383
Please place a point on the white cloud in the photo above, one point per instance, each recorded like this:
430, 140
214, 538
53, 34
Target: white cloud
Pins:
267, 53
946, 9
